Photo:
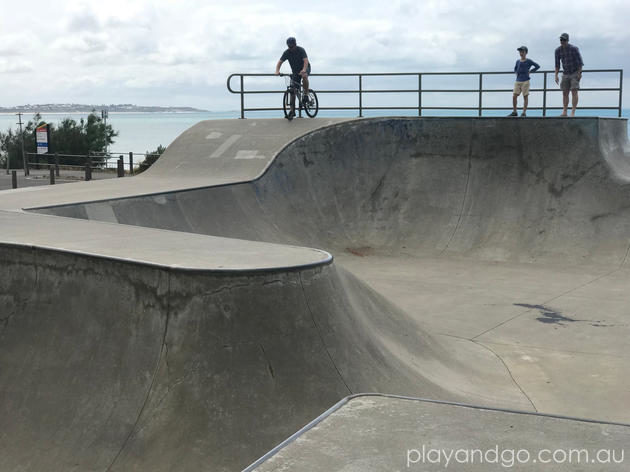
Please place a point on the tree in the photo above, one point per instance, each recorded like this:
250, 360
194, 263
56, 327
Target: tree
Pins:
150, 158
91, 136
10, 146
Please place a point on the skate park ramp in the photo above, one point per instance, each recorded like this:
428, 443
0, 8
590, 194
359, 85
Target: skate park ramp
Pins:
195, 316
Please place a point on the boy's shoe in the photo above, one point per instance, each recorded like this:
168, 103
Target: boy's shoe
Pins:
523, 114
513, 114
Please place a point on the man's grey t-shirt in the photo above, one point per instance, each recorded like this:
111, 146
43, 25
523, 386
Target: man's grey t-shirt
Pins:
296, 59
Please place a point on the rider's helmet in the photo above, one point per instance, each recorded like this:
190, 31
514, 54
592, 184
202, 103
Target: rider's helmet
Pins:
291, 41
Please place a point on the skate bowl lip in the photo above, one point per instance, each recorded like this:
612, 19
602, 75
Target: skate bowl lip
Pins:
210, 254
323, 256
263, 172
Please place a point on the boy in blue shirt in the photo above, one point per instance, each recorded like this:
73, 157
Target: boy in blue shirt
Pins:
522, 69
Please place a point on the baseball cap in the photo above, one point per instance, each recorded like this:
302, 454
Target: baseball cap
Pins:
522, 48
564, 36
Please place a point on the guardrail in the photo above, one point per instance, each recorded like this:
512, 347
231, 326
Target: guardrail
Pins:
89, 162
360, 91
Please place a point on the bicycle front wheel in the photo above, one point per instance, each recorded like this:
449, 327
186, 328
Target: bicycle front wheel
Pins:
286, 103
312, 107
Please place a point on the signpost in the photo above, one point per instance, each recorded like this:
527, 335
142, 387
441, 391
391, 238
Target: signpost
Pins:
43, 134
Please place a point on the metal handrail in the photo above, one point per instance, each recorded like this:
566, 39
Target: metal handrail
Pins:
480, 90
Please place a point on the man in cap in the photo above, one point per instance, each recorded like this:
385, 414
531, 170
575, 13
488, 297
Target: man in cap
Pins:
572, 65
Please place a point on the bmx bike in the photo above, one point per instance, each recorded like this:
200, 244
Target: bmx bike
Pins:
307, 102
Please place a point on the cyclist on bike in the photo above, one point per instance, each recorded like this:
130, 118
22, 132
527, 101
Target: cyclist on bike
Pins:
300, 66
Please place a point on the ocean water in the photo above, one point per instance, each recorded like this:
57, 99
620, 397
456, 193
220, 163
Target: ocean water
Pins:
142, 132
137, 132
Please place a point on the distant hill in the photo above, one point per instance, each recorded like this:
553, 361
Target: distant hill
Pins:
79, 108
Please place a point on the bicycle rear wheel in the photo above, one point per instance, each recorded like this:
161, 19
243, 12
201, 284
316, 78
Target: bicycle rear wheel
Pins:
312, 107
286, 103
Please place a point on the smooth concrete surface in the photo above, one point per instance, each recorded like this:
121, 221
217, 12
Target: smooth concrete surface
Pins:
477, 260
213, 152
419, 437
162, 248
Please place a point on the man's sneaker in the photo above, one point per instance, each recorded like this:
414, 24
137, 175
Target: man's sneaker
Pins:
513, 114
305, 100
523, 114
291, 115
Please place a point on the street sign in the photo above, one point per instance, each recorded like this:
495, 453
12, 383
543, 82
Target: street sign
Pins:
42, 133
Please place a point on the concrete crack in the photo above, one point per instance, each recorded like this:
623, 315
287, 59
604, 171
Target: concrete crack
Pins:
478, 343
269, 366
320, 335
163, 349
509, 372
464, 199
225, 288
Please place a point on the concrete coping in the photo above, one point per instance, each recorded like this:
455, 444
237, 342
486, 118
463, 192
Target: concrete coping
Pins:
153, 247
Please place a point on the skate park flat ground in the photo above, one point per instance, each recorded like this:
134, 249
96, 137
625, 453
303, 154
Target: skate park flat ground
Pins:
263, 270
345, 439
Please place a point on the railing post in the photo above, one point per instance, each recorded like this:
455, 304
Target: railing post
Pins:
620, 90
131, 163
52, 176
242, 98
419, 94
545, 94
88, 168
480, 92
57, 164
14, 178
360, 96
120, 167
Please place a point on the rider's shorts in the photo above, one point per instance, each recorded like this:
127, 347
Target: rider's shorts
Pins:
298, 78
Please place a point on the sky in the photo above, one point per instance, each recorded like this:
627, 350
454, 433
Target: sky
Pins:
180, 53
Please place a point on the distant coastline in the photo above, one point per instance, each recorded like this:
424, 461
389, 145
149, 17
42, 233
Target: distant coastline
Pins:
80, 108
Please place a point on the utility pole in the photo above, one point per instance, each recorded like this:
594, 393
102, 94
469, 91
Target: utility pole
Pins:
22, 143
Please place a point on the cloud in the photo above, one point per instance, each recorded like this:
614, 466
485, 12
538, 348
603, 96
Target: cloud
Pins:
186, 49
15, 66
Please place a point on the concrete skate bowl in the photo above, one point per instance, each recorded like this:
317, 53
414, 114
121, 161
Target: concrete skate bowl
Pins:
116, 365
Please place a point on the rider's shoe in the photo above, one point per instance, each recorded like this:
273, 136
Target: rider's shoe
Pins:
291, 115
305, 100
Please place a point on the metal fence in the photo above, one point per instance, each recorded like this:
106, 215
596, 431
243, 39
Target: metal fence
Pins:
422, 93
97, 161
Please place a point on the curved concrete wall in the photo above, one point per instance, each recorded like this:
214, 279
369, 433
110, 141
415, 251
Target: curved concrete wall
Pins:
527, 190
108, 365
145, 365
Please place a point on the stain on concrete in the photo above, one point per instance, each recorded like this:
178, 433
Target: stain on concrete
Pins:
360, 251
551, 316
307, 162
548, 315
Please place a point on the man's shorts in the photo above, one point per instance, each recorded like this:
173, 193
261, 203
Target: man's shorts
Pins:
521, 87
297, 78
570, 82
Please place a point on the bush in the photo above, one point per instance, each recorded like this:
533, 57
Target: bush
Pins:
150, 158
91, 136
